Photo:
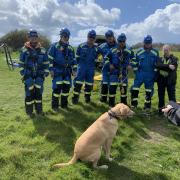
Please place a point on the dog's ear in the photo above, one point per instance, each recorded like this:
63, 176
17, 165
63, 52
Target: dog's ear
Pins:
115, 109
120, 110
124, 110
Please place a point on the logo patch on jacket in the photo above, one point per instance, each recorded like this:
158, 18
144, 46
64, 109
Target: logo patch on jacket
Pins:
61, 48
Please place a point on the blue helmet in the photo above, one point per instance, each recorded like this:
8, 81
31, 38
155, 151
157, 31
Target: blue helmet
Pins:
92, 34
64, 32
109, 33
32, 33
121, 38
148, 39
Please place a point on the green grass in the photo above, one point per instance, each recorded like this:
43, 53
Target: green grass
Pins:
144, 148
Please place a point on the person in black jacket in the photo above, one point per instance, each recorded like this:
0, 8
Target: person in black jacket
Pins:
166, 76
172, 112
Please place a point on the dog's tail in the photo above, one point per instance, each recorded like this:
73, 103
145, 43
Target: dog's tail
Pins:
72, 161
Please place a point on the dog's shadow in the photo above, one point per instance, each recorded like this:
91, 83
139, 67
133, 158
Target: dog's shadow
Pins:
117, 171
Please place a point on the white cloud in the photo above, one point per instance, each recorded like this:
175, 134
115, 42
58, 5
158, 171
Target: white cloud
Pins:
49, 15
175, 1
163, 25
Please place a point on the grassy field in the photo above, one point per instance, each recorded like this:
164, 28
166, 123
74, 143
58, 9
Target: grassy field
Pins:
144, 148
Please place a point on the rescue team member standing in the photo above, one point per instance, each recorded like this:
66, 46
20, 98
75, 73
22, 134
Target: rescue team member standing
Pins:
34, 67
111, 74
86, 56
124, 55
167, 76
144, 66
62, 66
106, 48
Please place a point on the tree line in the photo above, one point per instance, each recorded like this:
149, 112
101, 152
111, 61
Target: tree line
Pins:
16, 39
174, 47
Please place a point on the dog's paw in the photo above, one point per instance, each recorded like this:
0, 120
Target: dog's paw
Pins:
54, 166
110, 159
103, 167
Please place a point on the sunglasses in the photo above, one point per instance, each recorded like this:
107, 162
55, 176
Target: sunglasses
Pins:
66, 37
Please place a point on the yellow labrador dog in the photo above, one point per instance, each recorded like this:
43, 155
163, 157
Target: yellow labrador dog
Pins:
99, 135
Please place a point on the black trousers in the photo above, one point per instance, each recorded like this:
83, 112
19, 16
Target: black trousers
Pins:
171, 90
63, 90
35, 98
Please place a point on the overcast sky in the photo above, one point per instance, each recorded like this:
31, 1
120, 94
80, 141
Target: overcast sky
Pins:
136, 18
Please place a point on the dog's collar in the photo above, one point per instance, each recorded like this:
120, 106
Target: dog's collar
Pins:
112, 114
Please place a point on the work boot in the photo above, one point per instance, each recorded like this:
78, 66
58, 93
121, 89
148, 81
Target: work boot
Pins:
147, 106
29, 103
29, 110
38, 107
64, 102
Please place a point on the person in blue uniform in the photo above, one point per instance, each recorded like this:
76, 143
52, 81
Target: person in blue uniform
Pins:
34, 67
125, 55
111, 71
144, 66
86, 56
62, 67
106, 48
